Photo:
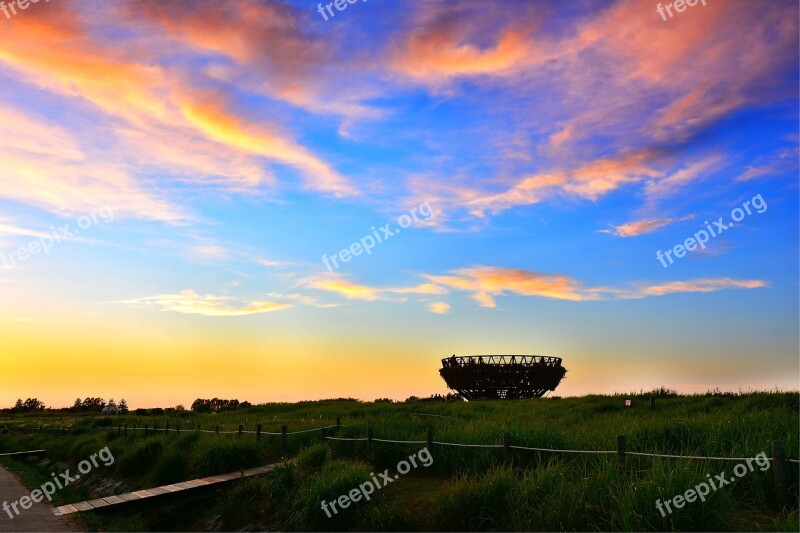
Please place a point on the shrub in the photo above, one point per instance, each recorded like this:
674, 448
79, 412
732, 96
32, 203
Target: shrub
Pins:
313, 458
220, 456
140, 457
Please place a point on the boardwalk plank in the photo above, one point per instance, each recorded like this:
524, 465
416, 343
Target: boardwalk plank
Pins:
98, 503
108, 501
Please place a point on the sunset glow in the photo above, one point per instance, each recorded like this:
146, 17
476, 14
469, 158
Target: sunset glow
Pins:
173, 175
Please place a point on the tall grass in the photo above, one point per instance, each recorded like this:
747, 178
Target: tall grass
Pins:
467, 488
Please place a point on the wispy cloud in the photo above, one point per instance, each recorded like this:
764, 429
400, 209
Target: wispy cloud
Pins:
782, 162
338, 285
487, 283
439, 308
190, 303
639, 227
697, 285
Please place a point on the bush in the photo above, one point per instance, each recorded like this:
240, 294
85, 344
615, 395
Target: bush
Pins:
171, 467
312, 459
222, 457
140, 457
477, 504
335, 479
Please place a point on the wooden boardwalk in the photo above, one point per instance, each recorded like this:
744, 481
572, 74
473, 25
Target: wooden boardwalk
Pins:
21, 454
139, 495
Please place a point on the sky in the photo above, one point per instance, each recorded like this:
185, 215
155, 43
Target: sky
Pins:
277, 201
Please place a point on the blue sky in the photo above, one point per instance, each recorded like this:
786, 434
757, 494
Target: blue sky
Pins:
560, 145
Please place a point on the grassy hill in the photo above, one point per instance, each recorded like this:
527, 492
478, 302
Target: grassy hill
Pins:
465, 488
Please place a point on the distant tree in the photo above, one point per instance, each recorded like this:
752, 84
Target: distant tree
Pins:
215, 405
77, 405
33, 404
201, 406
123, 406
180, 407
92, 404
383, 400
412, 399
30, 404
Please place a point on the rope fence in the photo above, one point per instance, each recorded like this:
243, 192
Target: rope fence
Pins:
777, 458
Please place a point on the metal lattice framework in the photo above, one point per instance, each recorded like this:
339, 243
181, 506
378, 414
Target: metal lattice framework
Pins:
502, 376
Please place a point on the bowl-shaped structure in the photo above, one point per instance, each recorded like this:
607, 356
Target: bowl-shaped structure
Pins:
502, 376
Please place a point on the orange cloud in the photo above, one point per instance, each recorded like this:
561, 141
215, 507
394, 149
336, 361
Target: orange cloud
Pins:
486, 283
435, 56
590, 180
228, 129
56, 52
271, 52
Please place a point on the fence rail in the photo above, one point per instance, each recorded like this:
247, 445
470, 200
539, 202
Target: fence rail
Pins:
778, 460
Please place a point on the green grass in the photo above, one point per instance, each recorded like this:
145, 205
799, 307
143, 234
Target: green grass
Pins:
465, 488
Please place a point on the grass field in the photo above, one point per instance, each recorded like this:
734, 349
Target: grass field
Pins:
465, 488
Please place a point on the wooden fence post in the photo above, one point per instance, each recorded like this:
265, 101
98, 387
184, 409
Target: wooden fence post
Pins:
322, 434
369, 439
779, 472
284, 434
429, 438
506, 444
216, 430
621, 445
126, 429
240, 430
652, 403
258, 432
146, 426
338, 423
177, 428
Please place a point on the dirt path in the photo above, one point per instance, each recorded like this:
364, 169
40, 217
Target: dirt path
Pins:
39, 517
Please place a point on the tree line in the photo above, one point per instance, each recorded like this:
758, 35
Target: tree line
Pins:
216, 405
